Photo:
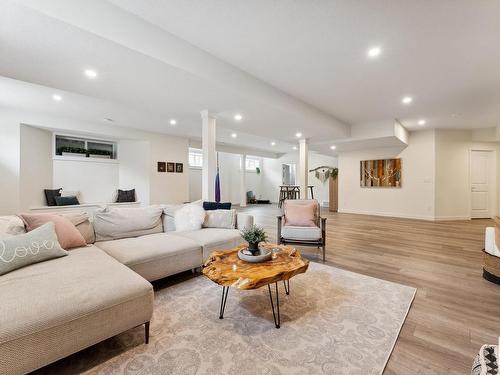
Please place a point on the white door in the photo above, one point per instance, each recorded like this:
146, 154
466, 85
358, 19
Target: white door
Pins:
480, 172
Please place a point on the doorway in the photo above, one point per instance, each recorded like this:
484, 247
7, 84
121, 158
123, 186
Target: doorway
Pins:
482, 183
288, 174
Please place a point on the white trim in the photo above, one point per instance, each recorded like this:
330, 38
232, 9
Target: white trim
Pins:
83, 205
493, 179
451, 218
385, 214
85, 159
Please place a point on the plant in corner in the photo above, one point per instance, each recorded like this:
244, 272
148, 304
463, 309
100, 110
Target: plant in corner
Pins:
253, 236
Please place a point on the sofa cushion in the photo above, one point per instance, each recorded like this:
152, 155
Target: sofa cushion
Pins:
52, 309
23, 250
220, 219
156, 255
115, 223
211, 239
300, 213
11, 226
209, 206
69, 237
189, 217
82, 222
300, 233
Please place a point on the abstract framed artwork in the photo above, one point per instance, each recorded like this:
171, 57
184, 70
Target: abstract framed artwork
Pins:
380, 173
179, 167
170, 167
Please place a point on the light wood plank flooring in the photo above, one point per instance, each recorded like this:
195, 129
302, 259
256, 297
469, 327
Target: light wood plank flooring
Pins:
455, 310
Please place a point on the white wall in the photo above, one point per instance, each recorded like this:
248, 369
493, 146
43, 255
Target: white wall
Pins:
9, 163
35, 170
271, 171
133, 171
229, 169
415, 199
452, 172
163, 187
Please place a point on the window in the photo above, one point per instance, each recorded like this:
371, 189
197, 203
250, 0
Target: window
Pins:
195, 158
69, 146
252, 163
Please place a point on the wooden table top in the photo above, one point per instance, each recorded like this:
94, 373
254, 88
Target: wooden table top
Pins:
226, 269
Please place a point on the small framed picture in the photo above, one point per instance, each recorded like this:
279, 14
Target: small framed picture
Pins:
179, 167
170, 167
162, 166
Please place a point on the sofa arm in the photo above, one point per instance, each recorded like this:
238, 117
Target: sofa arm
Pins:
490, 245
244, 221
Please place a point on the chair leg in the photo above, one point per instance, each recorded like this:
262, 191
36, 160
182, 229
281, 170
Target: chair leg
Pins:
324, 253
146, 332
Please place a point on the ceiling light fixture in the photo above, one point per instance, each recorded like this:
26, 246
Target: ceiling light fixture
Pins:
421, 122
298, 134
234, 135
333, 147
407, 100
90, 73
57, 97
273, 143
238, 117
374, 52
173, 122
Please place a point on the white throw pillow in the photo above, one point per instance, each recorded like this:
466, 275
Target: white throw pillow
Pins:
189, 217
220, 219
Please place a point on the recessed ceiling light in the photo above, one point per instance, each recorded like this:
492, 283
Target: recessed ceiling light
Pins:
374, 52
107, 119
294, 147
298, 134
333, 147
173, 122
273, 143
407, 100
57, 97
421, 122
234, 135
238, 117
90, 73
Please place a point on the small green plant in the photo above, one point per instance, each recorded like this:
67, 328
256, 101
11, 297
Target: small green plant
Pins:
253, 235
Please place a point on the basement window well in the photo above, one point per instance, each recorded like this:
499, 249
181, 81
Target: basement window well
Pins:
76, 147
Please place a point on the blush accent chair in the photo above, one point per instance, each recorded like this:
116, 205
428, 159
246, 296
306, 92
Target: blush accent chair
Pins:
312, 235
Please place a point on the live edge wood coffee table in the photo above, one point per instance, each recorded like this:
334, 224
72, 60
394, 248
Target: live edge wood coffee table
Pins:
226, 269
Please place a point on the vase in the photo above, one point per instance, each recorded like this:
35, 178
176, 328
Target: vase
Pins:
253, 247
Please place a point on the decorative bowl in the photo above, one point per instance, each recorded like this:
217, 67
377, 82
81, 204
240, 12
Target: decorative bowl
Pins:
263, 255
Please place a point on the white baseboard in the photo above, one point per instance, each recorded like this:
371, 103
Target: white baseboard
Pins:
386, 214
403, 216
451, 218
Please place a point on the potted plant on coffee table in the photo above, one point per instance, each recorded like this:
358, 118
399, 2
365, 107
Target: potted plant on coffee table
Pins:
254, 236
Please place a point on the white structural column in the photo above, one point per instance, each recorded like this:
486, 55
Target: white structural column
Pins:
243, 180
303, 168
209, 170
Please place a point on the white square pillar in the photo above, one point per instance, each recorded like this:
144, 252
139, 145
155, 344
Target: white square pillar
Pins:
304, 168
243, 180
209, 169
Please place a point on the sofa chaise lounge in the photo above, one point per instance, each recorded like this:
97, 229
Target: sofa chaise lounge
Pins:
52, 309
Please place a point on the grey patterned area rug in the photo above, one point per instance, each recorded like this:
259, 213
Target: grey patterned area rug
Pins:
333, 322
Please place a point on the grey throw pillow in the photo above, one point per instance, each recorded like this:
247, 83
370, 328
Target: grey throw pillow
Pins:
24, 249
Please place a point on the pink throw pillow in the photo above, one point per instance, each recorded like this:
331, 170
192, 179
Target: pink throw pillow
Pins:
67, 234
300, 215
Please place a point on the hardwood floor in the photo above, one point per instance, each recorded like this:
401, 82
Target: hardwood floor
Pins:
455, 310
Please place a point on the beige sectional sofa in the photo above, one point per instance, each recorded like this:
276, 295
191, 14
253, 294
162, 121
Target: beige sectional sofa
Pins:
52, 309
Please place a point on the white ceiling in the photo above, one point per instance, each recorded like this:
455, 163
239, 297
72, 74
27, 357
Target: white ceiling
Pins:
446, 53
286, 66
